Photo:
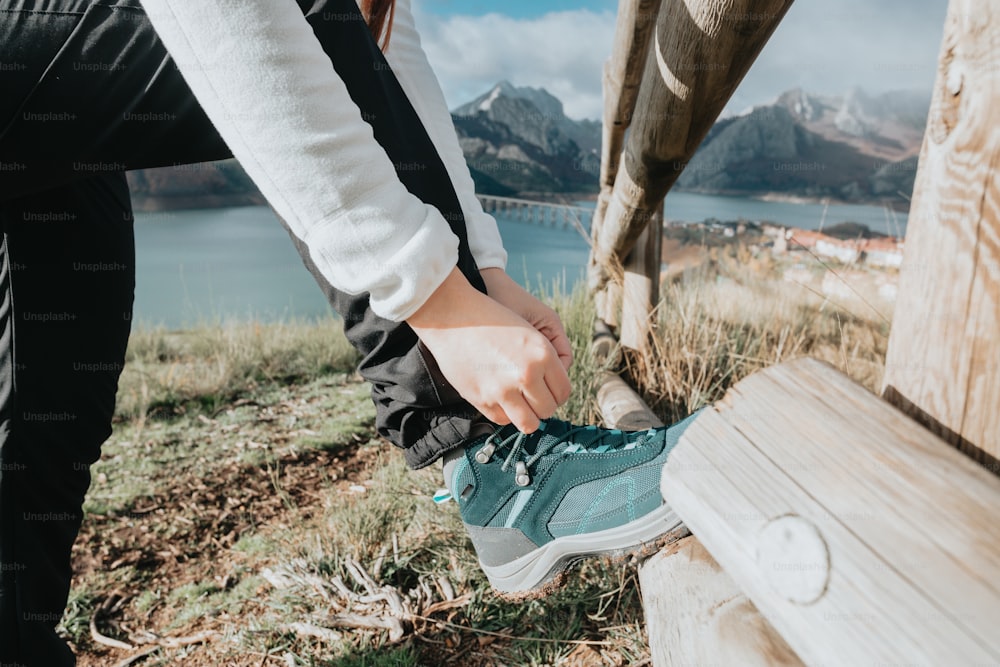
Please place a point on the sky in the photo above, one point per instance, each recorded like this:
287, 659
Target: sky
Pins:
822, 46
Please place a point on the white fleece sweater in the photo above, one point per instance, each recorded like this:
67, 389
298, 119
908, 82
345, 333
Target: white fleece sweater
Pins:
263, 79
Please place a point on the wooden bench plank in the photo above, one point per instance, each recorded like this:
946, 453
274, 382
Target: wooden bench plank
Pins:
855, 531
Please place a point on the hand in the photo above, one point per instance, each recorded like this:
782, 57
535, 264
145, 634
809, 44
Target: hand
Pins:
495, 359
504, 290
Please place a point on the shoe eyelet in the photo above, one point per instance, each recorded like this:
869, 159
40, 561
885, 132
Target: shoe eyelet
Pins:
522, 478
486, 453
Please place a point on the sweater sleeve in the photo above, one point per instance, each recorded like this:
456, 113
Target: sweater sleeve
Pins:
264, 81
410, 65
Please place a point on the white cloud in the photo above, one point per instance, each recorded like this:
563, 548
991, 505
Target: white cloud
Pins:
821, 47
563, 52
828, 48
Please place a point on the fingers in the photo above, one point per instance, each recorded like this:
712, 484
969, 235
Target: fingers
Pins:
542, 386
540, 401
542, 391
560, 341
552, 328
522, 415
558, 384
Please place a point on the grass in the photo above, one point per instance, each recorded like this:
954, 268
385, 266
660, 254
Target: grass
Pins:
245, 485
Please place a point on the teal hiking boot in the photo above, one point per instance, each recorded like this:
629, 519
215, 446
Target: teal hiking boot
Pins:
535, 504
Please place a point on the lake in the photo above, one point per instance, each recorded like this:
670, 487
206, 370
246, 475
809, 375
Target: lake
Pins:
238, 263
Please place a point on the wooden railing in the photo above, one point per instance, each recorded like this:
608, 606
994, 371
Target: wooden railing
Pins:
829, 525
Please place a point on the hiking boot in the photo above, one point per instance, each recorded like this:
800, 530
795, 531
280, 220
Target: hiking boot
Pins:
535, 504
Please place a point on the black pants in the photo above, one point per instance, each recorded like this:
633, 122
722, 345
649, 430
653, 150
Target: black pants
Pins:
88, 92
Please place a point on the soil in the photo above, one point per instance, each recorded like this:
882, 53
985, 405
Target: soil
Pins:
185, 534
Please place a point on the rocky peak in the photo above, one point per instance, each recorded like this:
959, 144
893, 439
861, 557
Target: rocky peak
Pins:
546, 103
802, 105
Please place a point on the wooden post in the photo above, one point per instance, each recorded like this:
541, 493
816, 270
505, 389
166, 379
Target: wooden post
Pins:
862, 537
943, 362
641, 288
622, 75
701, 51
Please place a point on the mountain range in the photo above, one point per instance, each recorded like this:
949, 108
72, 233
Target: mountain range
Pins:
519, 141
853, 148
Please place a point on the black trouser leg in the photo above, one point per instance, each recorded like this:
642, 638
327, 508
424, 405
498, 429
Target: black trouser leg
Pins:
65, 311
134, 111
416, 407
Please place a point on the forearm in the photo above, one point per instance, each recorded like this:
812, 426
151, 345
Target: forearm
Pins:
263, 79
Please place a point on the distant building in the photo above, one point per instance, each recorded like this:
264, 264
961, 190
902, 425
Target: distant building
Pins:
887, 253
804, 238
848, 252
880, 252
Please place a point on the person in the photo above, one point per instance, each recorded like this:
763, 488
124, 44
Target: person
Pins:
355, 150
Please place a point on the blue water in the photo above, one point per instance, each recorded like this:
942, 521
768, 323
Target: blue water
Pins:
689, 207
238, 263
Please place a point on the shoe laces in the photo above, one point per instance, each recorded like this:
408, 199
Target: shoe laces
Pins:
545, 442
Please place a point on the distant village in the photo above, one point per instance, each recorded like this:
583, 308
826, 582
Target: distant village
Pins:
883, 252
847, 261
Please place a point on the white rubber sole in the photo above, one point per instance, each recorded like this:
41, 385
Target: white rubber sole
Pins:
533, 570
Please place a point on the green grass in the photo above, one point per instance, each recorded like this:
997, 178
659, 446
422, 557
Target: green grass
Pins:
267, 429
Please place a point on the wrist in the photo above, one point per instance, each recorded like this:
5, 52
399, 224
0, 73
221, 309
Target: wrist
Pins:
496, 280
445, 306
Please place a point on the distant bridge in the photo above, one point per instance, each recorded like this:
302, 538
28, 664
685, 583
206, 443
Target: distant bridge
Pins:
558, 216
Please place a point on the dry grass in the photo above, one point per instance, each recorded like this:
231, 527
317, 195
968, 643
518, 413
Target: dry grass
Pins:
245, 489
735, 315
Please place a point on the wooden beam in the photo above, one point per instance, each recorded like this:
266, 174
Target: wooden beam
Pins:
701, 50
621, 407
641, 287
943, 362
608, 303
858, 533
622, 76
697, 615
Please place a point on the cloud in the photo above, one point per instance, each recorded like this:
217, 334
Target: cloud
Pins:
828, 48
564, 52
822, 47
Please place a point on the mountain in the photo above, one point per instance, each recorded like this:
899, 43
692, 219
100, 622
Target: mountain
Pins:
853, 148
203, 185
518, 140
521, 139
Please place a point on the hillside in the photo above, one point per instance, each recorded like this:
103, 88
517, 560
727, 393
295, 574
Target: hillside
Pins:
855, 148
522, 139
204, 185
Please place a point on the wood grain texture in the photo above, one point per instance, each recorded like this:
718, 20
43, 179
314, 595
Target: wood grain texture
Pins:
701, 51
943, 362
909, 523
641, 287
697, 615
